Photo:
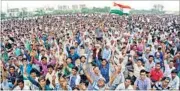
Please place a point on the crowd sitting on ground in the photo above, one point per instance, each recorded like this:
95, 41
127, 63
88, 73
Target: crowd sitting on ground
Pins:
91, 52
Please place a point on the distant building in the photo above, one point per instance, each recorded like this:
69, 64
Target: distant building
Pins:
74, 6
49, 8
60, 7
65, 7
82, 6
13, 12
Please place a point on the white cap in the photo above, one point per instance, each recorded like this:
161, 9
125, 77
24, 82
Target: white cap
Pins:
101, 78
97, 45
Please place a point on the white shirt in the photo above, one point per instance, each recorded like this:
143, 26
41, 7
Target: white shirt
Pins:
168, 70
122, 87
137, 70
174, 83
49, 76
18, 88
148, 66
119, 79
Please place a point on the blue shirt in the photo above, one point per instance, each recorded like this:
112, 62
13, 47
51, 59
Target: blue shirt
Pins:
178, 65
58, 87
143, 84
105, 71
159, 60
28, 57
74, 57
73, 81
28, 68
95, 87
106, 54
78, 38
4, 85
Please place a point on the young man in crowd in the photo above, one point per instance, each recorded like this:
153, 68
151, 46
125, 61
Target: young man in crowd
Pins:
156, 73
143, 82
21, 85
163, 84
74, 78
125, 85
174, 83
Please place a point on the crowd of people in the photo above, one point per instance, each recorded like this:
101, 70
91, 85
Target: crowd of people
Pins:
91, 52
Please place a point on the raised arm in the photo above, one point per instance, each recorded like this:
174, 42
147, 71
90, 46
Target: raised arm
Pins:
53, 81
113, 76
35, 61
87, 74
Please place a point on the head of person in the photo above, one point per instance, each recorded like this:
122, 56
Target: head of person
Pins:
104, 62
151, 58
50, 68
74, 70
148, 50
97, 46
20, 83
11, 69
159, 49
139, 62
135, 47
140, 40
72, 50
76, 44
24, 61
157, 55
178, 54
75, 89
20, 57
171, 64
83, 59
107, 46
142, 74
165, 81
44, 60
43, 52
127, 81
60, 50
62, 81
174, 73
83, 85
42, 81
96, 69
118, 68
69, 60
157, 66
101, 82
120, 59
33, 74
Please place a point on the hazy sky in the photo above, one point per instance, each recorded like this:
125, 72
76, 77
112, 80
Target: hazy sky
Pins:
168, 5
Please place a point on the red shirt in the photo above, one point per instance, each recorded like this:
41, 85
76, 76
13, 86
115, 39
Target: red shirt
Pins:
156, 75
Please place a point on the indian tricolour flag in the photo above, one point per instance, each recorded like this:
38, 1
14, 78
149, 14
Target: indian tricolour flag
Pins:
120, 9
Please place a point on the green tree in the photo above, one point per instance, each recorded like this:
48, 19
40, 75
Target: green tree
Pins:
158, 7
40, 12
3, 15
